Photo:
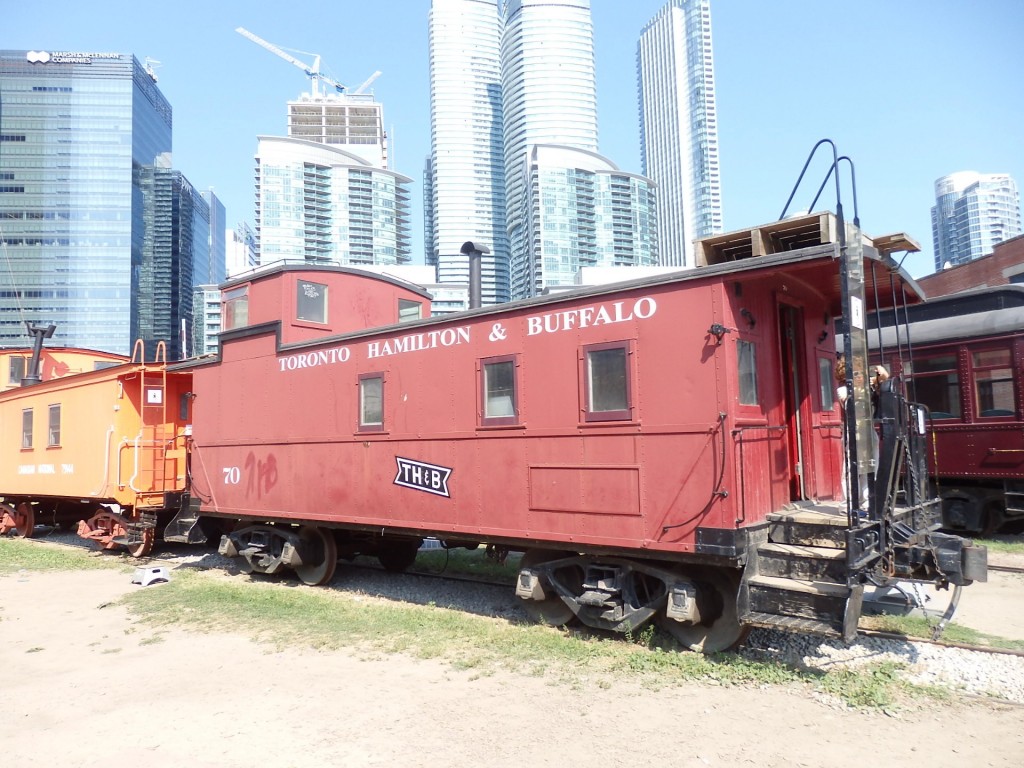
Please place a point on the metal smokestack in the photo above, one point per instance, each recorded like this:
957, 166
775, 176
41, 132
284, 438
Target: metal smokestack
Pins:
38, 333
474, 251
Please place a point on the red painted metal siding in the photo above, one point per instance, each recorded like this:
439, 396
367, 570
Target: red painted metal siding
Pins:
971, 446
277, 440
355, 300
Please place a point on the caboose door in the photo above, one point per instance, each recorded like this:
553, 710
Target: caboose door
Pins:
795, 418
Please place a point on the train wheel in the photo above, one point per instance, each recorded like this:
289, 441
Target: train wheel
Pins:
719, 629
992, 517
398, 556
552, 610
6, 518
321, 550
24, 520
103, 527
144, 547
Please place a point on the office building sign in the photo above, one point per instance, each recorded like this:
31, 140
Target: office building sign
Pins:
67, 57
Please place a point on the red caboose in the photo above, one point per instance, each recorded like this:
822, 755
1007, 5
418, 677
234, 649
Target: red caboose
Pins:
637, 441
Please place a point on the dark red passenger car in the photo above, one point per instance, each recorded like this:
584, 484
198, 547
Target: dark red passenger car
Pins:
968, 369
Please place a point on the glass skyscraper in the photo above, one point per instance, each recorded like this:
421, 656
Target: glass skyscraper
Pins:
464, 179
218, 260
972, 213
175, 256
79, 132
316, 202
679, 126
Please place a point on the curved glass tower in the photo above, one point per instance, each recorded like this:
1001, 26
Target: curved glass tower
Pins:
464, 184
549, 93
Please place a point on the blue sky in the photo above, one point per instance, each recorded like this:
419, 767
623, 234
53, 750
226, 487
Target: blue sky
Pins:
910, 90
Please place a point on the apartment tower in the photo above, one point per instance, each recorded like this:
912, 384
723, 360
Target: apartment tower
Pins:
973, 213
679, 126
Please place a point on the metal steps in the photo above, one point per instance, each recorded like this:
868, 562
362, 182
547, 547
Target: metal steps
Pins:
185, 528
797, 580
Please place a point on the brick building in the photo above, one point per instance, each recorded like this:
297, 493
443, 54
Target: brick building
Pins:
1004, 265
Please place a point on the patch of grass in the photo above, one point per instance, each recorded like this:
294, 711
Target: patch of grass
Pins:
1006, 545
467, 562
875, 687
284, 614
18, 554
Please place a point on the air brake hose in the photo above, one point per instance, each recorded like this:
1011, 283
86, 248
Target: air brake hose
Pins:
950, 610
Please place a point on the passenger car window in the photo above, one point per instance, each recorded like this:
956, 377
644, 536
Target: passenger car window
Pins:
937, 385
994, 394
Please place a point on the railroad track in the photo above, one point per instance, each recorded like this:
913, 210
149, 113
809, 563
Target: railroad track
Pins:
940, 642
1006, 568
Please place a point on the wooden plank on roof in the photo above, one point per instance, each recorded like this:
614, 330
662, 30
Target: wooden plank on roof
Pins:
896, 242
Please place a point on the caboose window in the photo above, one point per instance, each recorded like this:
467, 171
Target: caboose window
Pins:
607, 382
53, 434
937, 385
409, 310
371, 402
235, 308
993, 383
826, 380
26, 428
747, 359
311, 302
499, 391
17, 370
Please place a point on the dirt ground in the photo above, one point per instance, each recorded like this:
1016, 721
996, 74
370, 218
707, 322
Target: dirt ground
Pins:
84, 685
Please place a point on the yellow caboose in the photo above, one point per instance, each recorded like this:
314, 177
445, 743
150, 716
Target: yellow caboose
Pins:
99, 441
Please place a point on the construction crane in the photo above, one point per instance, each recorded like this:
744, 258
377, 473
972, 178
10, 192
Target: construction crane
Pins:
311, 70
366, 84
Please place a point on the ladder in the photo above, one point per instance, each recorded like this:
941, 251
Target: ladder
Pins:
156, 462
